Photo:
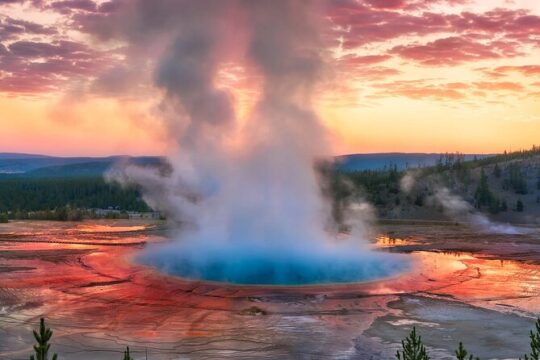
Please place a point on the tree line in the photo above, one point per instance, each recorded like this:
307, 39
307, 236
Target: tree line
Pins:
57, 197
70, 198
509, 177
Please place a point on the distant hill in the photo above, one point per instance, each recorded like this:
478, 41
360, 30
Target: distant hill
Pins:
359, 162
506, 187
33, 165
21, 163
95, 168
91, 168
41, 187
6, 155
29, 165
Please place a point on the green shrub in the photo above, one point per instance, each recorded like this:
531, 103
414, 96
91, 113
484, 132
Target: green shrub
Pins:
413, 349
461, 354
519, 206
535, 343
42, 348
127, 356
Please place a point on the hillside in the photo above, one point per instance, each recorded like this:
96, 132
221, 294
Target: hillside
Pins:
505, 188
56, 188
32, 165
6, 155
43, 194
402, 161
29, 165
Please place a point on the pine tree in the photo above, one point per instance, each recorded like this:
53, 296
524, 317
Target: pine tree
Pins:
483, 194
517, 179
127, 356
42, 347
535, 343
413, 349
497, 171
461, 354
519, 206
495, 206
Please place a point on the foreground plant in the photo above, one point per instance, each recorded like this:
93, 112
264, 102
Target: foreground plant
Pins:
127, 356
535, 343
42, 347
461, 353
413, 348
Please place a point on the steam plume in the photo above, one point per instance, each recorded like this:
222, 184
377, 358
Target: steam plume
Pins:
460, 210
253, 213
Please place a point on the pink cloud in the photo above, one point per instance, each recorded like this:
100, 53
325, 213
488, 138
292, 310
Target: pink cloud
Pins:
499, 85
386, 4
353, 60
455, 50
11, 28
66, 6
59, 62
463, 37
527, 70
419, 89
362, 23
372, 73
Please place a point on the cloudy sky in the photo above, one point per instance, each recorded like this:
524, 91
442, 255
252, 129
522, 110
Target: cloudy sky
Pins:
403, 75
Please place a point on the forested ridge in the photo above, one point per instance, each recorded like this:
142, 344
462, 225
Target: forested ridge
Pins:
20, 194
506, 186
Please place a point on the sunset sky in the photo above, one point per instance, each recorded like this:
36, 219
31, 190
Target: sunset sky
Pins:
404, 75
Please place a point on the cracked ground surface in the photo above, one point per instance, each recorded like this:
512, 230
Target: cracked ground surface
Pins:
481, 289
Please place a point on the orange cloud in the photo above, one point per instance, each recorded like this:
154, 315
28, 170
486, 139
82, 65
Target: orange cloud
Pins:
397, 64
500, 85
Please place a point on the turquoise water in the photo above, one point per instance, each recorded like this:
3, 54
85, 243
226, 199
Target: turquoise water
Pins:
274, 266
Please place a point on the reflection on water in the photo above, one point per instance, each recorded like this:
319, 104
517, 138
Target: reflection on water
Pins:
99, 228
390, 241
86, 287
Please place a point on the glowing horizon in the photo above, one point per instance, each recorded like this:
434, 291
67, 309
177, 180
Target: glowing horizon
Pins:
455, 75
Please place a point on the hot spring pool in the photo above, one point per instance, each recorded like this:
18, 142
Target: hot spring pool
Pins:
274, 266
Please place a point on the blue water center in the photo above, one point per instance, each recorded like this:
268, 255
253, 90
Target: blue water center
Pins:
274, 266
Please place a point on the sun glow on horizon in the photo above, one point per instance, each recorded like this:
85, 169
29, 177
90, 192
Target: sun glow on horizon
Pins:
403, 77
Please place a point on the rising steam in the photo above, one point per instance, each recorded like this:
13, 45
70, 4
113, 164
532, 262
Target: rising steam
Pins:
457, 208
251, 213
460, 210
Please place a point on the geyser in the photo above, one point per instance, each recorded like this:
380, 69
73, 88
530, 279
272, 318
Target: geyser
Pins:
303, 264
244, 196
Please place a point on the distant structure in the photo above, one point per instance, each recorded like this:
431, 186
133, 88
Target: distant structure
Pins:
115, 212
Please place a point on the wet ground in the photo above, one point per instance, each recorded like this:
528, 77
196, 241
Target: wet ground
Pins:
481, 289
